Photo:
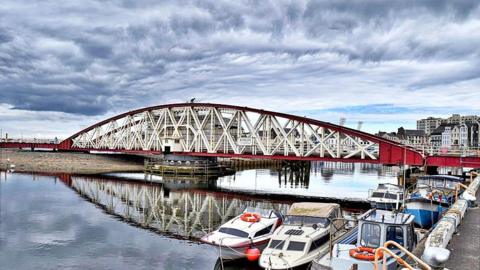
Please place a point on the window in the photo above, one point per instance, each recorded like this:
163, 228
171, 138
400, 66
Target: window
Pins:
319, 242
333, 215
395, 233
438, 183
370, 235
264, 231
276, 244
305, 220
234, 232
385, 195
423, 182
296, 246
266, 213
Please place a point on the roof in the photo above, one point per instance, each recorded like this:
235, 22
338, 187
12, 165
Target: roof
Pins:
440, 129
388, 217
312, 209
414, 132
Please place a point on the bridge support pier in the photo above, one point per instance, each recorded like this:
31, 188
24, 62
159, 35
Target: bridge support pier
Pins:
185, 166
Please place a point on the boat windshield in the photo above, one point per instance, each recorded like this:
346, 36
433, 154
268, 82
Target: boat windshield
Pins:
306, 220
386, 195
438, 182
370, 235
265, 213
233, 231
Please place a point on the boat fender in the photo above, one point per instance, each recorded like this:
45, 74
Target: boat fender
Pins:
252, 253
364, 253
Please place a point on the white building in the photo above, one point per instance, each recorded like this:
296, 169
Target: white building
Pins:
447, 137
429, 124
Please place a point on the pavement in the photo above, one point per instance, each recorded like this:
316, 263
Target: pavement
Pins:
465, 245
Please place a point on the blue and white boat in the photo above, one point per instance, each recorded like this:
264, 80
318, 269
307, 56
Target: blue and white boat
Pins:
375, 228
431, 196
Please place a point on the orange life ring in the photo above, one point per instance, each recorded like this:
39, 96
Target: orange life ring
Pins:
364, 253
250, 217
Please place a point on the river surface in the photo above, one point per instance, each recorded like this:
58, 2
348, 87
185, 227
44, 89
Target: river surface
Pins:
133, 221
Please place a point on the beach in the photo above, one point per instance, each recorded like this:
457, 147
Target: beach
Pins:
68, 162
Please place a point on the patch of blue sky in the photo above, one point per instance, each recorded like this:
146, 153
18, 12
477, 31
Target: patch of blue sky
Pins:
389, 109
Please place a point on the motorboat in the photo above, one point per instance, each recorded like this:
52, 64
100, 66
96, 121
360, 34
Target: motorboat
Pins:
430, 197
387, 197
250, 230
306, 230
375, 228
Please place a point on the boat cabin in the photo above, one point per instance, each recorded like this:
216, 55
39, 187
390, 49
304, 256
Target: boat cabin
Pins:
305, 231
387, 196
439, 181
376, 227
318, 214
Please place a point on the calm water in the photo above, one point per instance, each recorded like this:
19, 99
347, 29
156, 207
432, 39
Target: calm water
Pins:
122, 222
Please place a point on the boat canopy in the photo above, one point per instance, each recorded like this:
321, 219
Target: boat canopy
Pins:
389, 186
312, 209
440, 181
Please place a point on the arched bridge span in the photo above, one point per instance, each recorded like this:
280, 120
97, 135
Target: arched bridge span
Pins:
205, 129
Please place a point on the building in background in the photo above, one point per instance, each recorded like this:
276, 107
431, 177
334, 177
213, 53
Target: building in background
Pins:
440, 135
428, 125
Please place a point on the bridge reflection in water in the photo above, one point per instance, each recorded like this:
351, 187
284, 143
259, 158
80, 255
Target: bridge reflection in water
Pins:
180, 213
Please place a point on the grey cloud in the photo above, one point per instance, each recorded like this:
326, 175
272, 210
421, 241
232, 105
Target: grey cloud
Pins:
99, 57
5, 36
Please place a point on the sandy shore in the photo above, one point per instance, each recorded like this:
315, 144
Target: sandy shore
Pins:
64, 162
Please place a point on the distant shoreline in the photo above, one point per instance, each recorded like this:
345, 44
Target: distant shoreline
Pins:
68, 162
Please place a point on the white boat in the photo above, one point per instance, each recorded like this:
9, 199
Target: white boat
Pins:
375, 228
252, 229
387, 197
306, 230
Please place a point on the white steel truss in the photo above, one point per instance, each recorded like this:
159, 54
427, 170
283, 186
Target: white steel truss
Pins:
209, 129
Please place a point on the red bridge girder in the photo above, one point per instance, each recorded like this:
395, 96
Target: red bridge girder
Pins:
389, 152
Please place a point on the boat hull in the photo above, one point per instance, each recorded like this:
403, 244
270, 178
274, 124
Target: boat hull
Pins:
235, 253
426, 212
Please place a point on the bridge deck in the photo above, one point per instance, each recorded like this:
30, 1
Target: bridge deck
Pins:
440, 161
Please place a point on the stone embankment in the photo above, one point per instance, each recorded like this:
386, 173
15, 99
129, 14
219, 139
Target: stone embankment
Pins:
64, 162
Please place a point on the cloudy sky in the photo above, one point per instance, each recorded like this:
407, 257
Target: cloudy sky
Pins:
67, 64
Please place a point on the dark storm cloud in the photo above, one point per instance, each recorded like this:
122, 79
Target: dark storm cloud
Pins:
5, 36
103, 57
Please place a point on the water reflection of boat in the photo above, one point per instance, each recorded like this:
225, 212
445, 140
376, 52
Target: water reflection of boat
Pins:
305, 231
252, 229
430, 197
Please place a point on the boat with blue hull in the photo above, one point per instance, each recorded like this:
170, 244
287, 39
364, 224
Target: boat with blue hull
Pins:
427, 212
375, 228
431, 197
